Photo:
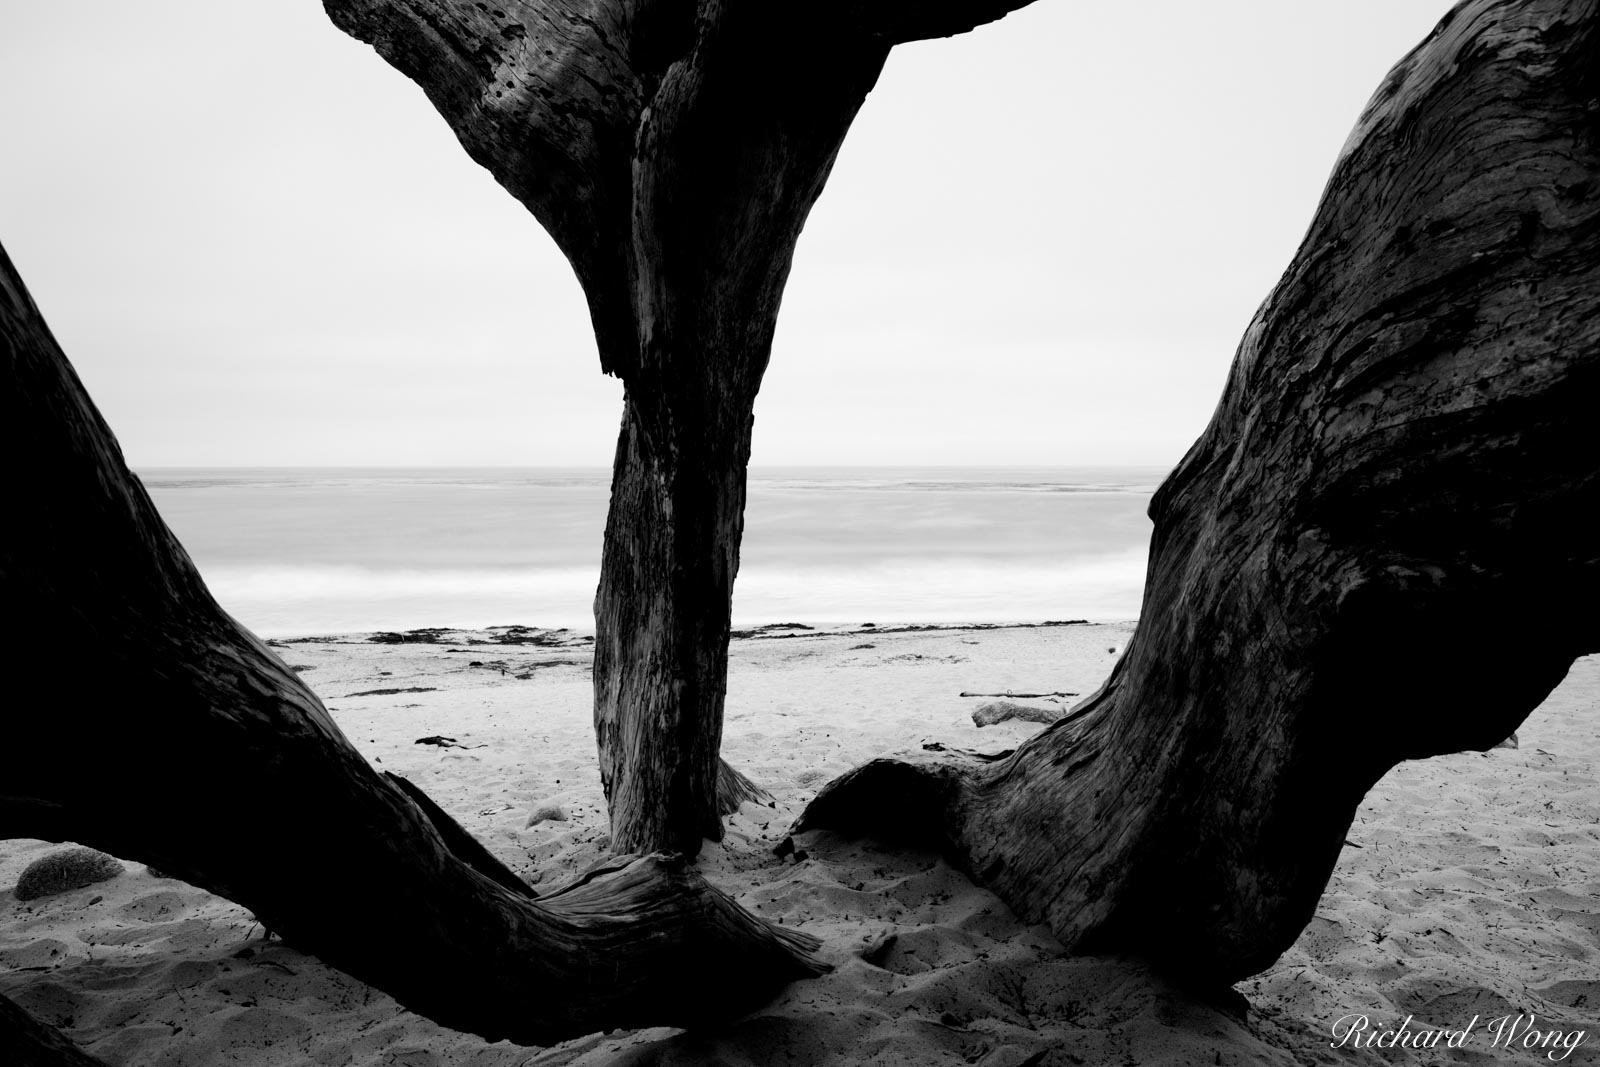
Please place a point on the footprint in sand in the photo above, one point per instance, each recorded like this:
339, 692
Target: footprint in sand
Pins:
164, 904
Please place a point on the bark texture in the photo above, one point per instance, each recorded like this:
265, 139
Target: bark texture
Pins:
673, 149
736, 146
184, 742
1403, 461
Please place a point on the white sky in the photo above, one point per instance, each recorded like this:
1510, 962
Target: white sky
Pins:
260, 245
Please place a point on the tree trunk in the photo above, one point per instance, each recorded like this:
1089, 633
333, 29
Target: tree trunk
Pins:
180, 740
736, 146
673, 150
1404, 460
661, 619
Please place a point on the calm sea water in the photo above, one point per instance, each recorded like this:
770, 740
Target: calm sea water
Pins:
326, 550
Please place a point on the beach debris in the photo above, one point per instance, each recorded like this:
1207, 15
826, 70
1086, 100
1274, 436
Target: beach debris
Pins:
528, 635
1001, 710
392, 692
549, 811
877, 948
735, 788
1019, 696
787, 851
427, 636
774, 629
69, 868
440, 740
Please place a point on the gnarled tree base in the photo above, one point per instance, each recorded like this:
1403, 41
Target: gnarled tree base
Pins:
191, 747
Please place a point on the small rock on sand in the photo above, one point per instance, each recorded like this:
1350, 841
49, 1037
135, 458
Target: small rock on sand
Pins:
547, 812
1001, 710
70, 868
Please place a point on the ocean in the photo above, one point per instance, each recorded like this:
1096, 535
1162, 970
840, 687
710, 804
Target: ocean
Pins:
303, 551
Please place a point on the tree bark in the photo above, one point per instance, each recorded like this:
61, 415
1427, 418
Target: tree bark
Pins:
1380, 549
180, 740
737, 143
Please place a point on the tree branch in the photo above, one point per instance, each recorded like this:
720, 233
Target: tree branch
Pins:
902, 21
547, 97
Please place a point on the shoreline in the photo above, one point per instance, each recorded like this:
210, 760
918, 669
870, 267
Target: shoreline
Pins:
423, 635
1472, 887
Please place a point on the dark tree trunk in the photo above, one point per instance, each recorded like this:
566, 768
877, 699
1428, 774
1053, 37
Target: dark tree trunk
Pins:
673, 149
738, 140
185, 743
1404, 461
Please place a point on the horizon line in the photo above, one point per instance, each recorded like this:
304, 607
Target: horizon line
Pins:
607, 466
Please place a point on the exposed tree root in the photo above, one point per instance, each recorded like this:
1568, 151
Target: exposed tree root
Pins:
191, 747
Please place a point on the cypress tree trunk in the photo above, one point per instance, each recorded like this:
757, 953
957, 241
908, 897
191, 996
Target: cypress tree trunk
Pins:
1381, 548
178, 739
734, 149
673, 150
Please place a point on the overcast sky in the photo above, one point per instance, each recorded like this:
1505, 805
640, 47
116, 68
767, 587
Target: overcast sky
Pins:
1041, 243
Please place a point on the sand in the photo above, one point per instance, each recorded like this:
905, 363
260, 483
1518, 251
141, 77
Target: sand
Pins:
1471, 887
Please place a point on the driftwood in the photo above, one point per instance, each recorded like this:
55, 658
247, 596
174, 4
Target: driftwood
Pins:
673, 151
734, 789
1002, 710
1404, 460
190, 746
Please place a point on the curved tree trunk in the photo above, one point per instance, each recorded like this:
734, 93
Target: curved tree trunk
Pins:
731, 154
1405, 458
673, 150
181, 741
735, 148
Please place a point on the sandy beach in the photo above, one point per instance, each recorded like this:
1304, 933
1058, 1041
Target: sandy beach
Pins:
1468, 898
